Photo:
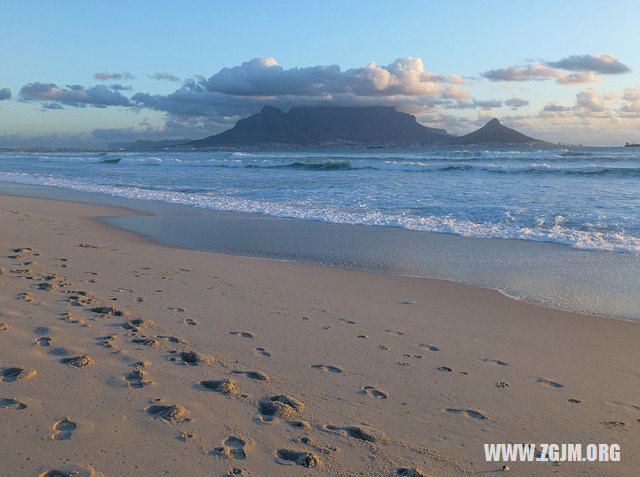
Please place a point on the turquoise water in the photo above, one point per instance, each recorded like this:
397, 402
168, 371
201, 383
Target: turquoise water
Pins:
587, 198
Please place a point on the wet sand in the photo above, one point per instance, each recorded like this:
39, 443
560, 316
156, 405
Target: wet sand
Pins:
119, 356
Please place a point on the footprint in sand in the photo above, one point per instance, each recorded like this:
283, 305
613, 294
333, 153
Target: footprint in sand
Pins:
87, 245
9, 375
136, 324
262, 352
300, 424
324, 367
347, 322
234, 448
243, 334
43, 341
279, 406
447, 369
71, 318
22, 273
46, 286
395, 332
363, 433
150, 342
303, 458
12, 404
549, 383
25, 250
192, 358
467, 413
627, 406
108, 310
495, 362
171, 339
429, 347
372, 392
190, 322
614, 424
63, 429
187, 437
25, 296
168, 412
68, 470
77, 361
108, 341
410, 472
137, 379
222, 386
257, 375
174, 308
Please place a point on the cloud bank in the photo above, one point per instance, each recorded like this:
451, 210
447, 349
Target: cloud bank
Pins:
603, 64
99, 96
589, 104
241, 90
586, 69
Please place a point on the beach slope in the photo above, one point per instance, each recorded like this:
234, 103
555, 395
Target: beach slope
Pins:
119, 357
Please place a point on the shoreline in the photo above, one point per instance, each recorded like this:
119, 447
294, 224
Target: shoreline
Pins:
145, 239
550, 275
428, 382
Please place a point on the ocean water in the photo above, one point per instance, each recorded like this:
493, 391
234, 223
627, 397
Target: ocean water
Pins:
586, 198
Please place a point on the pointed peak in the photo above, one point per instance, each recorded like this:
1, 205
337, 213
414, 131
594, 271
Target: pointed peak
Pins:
494, 122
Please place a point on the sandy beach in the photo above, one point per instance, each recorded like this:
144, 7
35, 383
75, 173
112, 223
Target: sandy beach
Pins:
119, 356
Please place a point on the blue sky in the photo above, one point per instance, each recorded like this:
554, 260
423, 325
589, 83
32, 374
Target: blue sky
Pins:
64, 44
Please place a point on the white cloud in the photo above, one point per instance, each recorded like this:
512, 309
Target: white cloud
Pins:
109, 76
578, 78
164, 76
590, 101
516, 102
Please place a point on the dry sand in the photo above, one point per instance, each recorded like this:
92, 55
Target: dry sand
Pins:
123, 357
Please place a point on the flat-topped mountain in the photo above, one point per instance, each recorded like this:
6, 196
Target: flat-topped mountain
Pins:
494, 133
327, 125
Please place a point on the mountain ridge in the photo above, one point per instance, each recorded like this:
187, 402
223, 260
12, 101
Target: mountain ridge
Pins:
336, 126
